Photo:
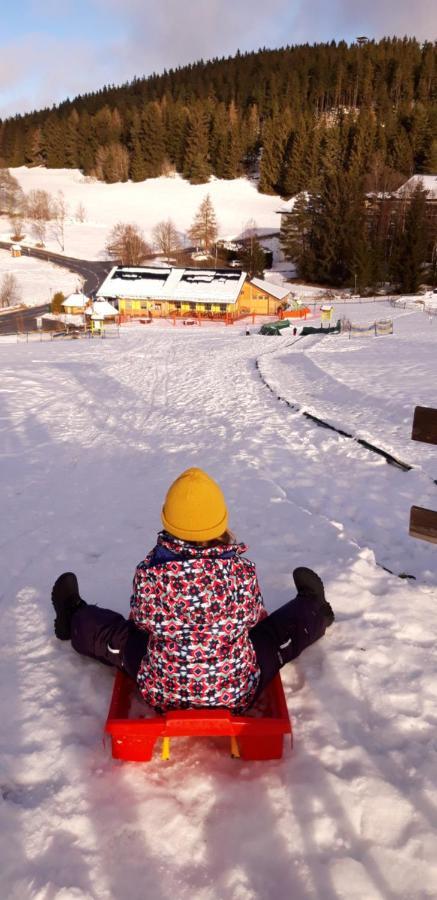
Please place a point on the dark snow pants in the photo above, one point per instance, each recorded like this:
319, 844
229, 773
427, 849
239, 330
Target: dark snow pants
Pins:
107, 636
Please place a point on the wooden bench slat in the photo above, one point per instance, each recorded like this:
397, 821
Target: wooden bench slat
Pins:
423, 524
425, 425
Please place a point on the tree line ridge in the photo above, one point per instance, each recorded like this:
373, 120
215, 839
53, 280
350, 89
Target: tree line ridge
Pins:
268, 113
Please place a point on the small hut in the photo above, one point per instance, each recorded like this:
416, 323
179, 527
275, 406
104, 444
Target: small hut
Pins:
75, 303
16, 250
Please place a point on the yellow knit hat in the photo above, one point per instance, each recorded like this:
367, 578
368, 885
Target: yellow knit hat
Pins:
195, 508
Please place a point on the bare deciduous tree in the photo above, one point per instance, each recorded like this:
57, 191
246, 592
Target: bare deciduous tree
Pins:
126, 243
39, 208
112, 163
253, 257
11, 195
203, 231
166, 238
60, 212
81, 213
16, 224
9, 291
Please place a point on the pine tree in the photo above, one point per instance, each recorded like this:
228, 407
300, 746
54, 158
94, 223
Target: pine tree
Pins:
358, 262
276, 132
296, 237
413, 245
86, 142
71, 140
219, 140
152, 141
400, 154
137, 167
232, 164
34, 147
175, 124
53, 142
203, 231
295, 175
196, 159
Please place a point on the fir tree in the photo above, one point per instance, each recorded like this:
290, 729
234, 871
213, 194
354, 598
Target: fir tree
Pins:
413, 245
203, 231
295, 166
196, 160
219, 140
275, 136
152, 140
296, 237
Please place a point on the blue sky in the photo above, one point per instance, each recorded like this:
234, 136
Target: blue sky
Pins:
53, 49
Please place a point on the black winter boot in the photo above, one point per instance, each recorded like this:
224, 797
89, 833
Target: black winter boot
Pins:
310, 585
66, 600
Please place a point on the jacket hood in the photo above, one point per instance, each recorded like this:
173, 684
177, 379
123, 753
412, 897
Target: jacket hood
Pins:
184, 550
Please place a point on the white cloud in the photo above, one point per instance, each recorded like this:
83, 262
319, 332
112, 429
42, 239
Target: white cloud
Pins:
374, 18
39, 69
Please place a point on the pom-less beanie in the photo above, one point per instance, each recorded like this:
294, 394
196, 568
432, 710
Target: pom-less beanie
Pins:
195, 508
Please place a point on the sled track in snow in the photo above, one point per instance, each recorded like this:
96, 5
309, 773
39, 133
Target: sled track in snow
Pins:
295, 407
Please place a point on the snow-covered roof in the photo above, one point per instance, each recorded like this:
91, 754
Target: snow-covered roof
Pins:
428, 182
275, 290
173, 283
65, 318
101, 309
76, 299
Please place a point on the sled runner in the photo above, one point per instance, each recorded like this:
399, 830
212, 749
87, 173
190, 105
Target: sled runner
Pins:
257, 735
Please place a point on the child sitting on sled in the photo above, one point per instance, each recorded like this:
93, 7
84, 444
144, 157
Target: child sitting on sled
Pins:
198, 632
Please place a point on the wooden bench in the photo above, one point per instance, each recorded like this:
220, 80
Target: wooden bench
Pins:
423, 522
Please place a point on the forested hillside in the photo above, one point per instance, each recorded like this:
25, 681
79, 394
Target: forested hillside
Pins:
274, 109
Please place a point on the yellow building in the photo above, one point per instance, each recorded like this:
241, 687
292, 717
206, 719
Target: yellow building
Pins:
160, 291
263, 298
75, 304
166, 291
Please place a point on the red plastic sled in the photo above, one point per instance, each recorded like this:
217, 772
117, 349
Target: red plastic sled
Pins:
256, 736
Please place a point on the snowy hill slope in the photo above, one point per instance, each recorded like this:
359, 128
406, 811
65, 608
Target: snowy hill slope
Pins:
143, 203
92, 434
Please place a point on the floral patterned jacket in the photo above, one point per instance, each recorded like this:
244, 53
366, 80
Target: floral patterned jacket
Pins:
197, 605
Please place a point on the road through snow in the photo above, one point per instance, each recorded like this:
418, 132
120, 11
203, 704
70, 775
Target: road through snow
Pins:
92, 435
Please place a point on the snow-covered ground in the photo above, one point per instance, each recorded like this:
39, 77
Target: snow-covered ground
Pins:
366, 385
37, 280
143, 203
93, 432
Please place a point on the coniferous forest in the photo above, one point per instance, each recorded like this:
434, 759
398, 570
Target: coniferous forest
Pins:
334, 124
273, 111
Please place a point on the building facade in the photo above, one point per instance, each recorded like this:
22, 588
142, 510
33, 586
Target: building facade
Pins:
166, 291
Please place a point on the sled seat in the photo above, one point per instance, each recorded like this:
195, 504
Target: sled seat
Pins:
257, 735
